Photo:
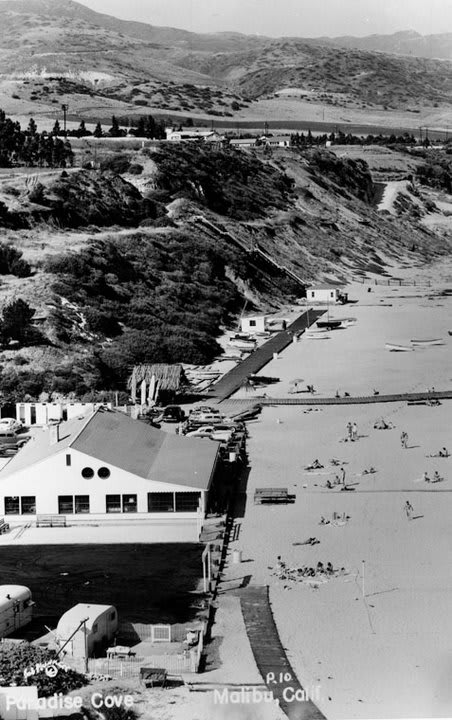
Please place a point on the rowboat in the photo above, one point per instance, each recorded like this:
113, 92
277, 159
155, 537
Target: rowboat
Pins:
395, 347
242, 344
426, 343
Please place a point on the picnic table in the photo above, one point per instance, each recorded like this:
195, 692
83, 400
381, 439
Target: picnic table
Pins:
268, 496
153, 676
120, 652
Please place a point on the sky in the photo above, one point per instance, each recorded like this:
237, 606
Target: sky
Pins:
304, 18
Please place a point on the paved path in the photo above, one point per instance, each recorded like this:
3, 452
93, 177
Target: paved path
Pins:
270, 656
234, 379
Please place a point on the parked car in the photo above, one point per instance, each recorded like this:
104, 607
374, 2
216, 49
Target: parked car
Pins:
173, 414
8, 424
213, 432
205, 419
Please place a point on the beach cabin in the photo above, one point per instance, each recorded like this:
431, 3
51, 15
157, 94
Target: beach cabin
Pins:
86, 630
16, 608
325, 294
253, 324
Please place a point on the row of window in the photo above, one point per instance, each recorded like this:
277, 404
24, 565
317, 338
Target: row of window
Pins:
80, 504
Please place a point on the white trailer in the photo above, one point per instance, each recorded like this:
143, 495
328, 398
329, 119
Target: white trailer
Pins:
16, 608
85, 630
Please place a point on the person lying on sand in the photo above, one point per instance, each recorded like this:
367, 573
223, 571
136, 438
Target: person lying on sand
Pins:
311, 541
347, 488
444, 452
316, 465
323, 521
382, 425
370, 471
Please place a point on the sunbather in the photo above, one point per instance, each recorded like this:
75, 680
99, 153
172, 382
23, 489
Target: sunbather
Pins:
436, 477
444, 452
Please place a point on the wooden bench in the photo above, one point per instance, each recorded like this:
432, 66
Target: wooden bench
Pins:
4, 526
51, 521
271, 495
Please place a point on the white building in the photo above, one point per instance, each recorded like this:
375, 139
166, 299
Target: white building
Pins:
276, 140
41, 413
324, 294
187, 134
106, 465
253, 324
243, 142
85, 630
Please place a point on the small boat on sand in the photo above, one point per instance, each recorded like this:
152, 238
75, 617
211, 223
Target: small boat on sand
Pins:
427, 343
242, 344
395, 347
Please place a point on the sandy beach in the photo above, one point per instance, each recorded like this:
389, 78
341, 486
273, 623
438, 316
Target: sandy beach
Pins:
378, 638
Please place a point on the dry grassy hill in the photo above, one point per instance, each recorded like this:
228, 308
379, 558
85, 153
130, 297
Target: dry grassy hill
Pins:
121, 66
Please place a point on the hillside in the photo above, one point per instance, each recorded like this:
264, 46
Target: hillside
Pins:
407, 42
54, 52
190, 236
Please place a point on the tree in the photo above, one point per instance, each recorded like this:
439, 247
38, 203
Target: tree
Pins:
115, 130
16, 319
32, 128
82, 131
98, 131
57, 129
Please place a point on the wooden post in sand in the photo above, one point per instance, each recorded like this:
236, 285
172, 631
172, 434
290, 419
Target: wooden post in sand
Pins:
362, 578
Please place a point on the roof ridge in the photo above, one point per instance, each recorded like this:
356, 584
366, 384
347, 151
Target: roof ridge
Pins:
85, 425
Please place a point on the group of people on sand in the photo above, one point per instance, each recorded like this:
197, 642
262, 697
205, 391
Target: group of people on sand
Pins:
352, 431
300, 573
436, 477
337, 518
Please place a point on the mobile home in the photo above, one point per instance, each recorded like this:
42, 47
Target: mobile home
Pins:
85, 630
16, 608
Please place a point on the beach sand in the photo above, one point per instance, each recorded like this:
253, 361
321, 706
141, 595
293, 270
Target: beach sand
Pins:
381, 648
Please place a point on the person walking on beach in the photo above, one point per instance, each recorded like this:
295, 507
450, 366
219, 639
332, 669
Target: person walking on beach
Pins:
343, 476
354, 431
404, 440
350, 430
409, 510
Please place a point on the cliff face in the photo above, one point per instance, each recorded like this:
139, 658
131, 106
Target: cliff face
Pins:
192, 236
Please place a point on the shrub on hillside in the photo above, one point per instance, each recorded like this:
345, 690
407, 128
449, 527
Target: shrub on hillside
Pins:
11, 262
117, 163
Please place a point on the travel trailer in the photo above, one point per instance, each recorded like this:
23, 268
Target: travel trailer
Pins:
85, 630
16, 608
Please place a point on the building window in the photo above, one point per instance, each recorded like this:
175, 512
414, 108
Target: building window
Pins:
68, 461
65, 504
81, 504
103, 473
113, 503
129, 503
312, 294
87, 473
332, 294
187, 501
113, 615
12, 506
161, 502
28, 505
252, 323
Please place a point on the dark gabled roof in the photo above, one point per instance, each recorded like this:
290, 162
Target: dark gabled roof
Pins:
113, 438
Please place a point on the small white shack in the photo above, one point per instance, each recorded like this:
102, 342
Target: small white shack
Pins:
253, 324
325, 294
85, 630
16, 608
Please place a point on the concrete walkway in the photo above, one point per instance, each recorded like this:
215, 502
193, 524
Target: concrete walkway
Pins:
271, 659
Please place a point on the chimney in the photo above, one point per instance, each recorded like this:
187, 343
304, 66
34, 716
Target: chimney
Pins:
54, 434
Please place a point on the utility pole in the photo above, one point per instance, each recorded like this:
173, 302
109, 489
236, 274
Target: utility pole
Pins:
64, 108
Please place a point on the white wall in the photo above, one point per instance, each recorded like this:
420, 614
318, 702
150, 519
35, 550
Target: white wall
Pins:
321, 294
260, 324
50, 478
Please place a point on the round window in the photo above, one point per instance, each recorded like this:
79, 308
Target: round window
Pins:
87, 473
103, 473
